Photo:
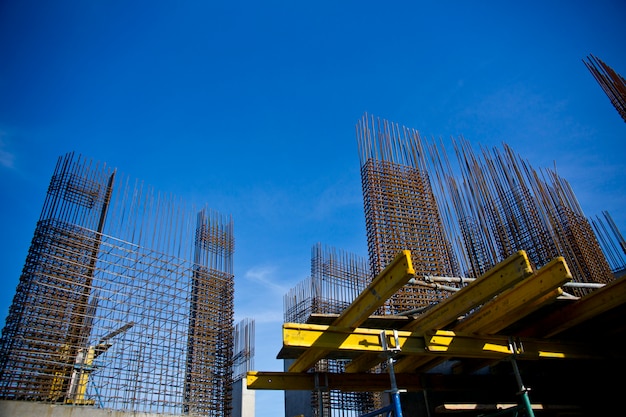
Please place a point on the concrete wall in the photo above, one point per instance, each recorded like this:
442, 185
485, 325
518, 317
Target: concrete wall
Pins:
35, 409
243, 399
297, 403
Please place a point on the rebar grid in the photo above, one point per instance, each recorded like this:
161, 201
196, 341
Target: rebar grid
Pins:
335, 403
337, 278
613, 84
243, 359
504, 205
470, 217
611, 241
400, 210
123, 302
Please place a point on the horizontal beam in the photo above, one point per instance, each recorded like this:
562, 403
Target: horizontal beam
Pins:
338, 339
502, 276
392, 278
518, 301
456, 408
373, 382
513, 304
592, 305
443, 343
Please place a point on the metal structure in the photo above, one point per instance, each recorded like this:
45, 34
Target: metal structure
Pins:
455, 225
401, 212
336, 280
612, 242
502, 205
611, 82
125, 302
512, 315
464, 220
243, 359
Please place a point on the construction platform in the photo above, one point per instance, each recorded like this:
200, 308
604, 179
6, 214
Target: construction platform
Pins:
459, 355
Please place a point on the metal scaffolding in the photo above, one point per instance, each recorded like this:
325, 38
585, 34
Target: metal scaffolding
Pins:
336, 280
124, 301
611, 82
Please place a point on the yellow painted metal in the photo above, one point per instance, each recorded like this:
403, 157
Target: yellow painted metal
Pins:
60, 375
508, 307
80, 378
592, 305
394, 276
439, 343
451, 343
340, 339
517, 302
307, 381
502, 276
280, 381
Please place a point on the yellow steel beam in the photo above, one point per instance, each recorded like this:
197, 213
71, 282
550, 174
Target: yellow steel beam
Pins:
425, 363
447, 342
502, 276
392, 278
592, 305
369, 382
508, 307
341, 340
444, 343
307, 381
515, 303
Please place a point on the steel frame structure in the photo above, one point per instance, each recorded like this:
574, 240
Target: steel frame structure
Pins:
613, 84
124, 301
510, 207
336, 280
401, 212
243, 359
464, 220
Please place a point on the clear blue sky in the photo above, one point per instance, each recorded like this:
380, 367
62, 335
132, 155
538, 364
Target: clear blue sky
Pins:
250, 107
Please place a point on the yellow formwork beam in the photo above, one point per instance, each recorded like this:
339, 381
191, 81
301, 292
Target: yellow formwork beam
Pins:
307, 381
369, 382
502, 276
588, 307
519, 301
439, 343
392, 278
341, 340
455, 344
525, 297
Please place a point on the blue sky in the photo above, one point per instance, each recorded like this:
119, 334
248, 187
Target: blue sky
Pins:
250, 107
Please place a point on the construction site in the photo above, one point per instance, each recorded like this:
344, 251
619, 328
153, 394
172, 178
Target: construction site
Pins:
485, 291
468, 273
125, 301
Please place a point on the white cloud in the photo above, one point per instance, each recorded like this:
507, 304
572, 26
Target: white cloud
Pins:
265, 275
6, 158
266, 316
